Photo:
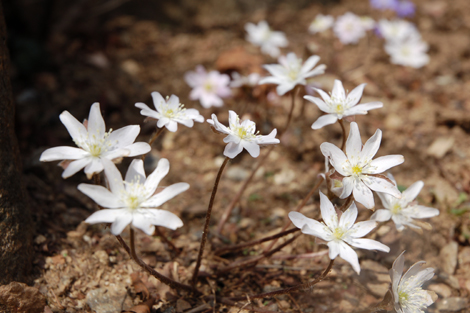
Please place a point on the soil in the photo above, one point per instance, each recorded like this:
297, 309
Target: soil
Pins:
118, 56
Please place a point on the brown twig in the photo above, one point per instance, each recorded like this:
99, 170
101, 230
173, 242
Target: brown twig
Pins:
165, 240
347, 203
206, 225
343, 144
167, 281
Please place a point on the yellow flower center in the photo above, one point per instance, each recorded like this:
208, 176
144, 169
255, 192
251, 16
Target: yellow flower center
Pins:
356, 170
396, 208
133, 202
338, 233
403, 296
208, 87
339, 109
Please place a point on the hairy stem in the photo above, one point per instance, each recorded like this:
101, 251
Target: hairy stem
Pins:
206, 225
343, 144
154, 137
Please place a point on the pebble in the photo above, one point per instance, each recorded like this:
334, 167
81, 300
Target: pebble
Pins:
441, 289
464, 256
452, 304
448, 257
378, 290
237, 173
108, 300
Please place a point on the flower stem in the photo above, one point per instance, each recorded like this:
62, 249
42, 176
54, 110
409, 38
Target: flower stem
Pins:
97, 179
347, 203
290, 289
165, 240
239, 194
167, 281
155, 135
343, 144
206, 225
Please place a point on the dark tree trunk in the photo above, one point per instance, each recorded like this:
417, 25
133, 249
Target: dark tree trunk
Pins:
15, 219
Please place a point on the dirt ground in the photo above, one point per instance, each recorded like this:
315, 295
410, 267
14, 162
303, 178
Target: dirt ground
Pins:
118, 57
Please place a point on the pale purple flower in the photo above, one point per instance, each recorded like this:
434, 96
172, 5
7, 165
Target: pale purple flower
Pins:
384, 4
405, 8
349, 28
338, 105
339, 233
361, 173
242, 135
134, 200
291, 71
170, 112
408, 295
321, 23
268, 40
397, 30
404, 210
208, 88
94, 144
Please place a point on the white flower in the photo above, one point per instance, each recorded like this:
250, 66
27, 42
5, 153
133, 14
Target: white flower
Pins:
403, 211
397, 30
242, 135
170, 112
208, 88
408, 296
338, 105
349, 28
94, 144
240, 81
367, 22
340, 233
262, 36
133, 200
411, 52
321, 23
359, 171
290, 72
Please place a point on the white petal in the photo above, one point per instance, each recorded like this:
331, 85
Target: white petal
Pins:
381, 185
354, 142
363, 108
355, 95
252, 148
172, 126
284, 87
104, 216
320, 69
96, 126
163, 218
412, 192
368, 244
158, 100
299, 220
218, 126
75, 166
121, 222
324, 120
154, 179
138, 148
334, 248
324, 95
94, 167
232, 149
317, 232
328, 212
124, 136
63, 153
319, 103
381, 215
101, 196
398, 266
135, 173
371, 146
424, 212
143, 223
113, 176
348, 217
349, 255
165, 195
387, 200
335, 155
338, 90
348, 185
74, 127
383, 163
363, 195
362, 228
309, 64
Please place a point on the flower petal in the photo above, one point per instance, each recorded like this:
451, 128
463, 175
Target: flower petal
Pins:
348, 185
165, 195
102, 196
335, 155
381, 215
135, 173
138, 148
354, 142
368, 244
309, 64
371, 146
324, 120
285, 87
124, 136
94, 167
349, 255
362, 228
381, 185
74, 127
333, 250
328, 212
96, 126
348, 217
121, 222
424, 212
338, 91
163, 218
63, 153
154, 179
362, 109
412, 192
75, 166
252, 148
383, 163
143, 223
113, 176
104, 216
317, 232
319, 103
355, 95
232, 149
363, 195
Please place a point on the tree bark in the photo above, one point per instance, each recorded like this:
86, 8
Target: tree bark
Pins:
16, 229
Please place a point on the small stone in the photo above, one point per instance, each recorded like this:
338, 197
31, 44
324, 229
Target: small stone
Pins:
18, 297
440, 147
237, 173
448, 257
346, 306
378, 290
464, 256
39, 239
284, 177
182, 305
441, 289
452, 304
108, 300
102, 256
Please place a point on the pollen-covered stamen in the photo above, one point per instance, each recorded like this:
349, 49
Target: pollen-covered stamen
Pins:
244, 132
294, 69
209, 87
95, 144
134, 193
340, 105
171, 112
396, 209
338, 233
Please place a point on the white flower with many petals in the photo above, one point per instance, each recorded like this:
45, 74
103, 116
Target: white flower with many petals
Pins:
170, 112
242, 135
339, 233
94, 144
368, 23
268, 40
133, 200
291, 72
338, 105
408, 296
361, 173
208, 88
411, 52
321, 23
397, 30
403, 211
349, 28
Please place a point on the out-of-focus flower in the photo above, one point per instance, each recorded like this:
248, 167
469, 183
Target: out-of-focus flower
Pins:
339, 232
405, 8
208, 88
410, 52
242, 135
133, 200
408, 296
268, 40
240, 81
403, 211
170, 112
348, 28
291, 72
338, 105
384, 4
94, 144
361, 173
397, 30
321, 23
367, 22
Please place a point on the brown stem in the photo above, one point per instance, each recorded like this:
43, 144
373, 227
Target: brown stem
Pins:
299, 207
254, 242
343, 144
237, 197
206, 225
167, 281
97, 179
347, 204
154, 137
164, 239
290, 289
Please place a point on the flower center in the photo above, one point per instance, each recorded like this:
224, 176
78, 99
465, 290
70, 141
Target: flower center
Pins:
133, 194
339, 109
356, 170
403, 297
173, 112
94, 145
338, 233
396, 209
209, 87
